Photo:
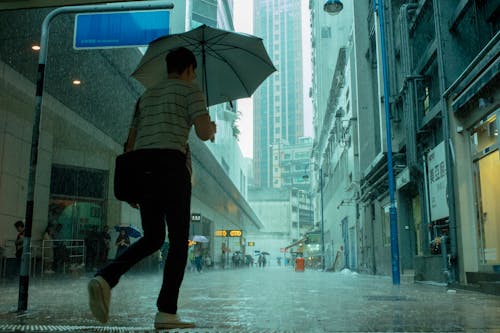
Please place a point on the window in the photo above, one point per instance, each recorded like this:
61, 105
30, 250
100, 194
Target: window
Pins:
301, 155
429, 89
326, 32
77, 200
386, 226
78, 182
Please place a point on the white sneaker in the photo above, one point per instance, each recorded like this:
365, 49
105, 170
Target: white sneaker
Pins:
168, 320
99, 298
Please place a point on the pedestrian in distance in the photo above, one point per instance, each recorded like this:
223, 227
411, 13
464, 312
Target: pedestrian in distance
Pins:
59, 249
122, 243
48, 249
19, 225
192, 264
198, 259
160, 128
105, 239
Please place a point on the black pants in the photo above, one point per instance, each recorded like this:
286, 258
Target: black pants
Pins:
166, 197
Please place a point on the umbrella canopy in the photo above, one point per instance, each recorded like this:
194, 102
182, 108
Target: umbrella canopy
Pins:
131, 230
200, 239
231, 65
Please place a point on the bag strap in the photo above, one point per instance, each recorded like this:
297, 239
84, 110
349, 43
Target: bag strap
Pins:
132, 130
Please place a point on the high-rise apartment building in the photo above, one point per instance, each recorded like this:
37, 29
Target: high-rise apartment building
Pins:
278, 103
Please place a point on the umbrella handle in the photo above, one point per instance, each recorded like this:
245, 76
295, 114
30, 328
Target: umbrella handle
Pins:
204, 67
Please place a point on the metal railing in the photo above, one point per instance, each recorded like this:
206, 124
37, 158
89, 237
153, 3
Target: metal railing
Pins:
62, 255
8, 253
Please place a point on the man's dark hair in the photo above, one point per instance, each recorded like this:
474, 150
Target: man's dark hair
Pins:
179, 59
19, 224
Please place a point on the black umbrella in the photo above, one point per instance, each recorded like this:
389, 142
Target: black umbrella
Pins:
231, 65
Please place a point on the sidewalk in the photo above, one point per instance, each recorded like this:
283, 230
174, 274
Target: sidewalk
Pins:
273, 299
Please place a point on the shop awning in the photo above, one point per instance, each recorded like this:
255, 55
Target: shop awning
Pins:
295, 243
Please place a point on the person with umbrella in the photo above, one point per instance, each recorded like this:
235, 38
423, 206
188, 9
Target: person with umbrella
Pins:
159, 133
122, 242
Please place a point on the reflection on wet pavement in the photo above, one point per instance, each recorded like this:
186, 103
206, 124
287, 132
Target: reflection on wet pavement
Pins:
274, 299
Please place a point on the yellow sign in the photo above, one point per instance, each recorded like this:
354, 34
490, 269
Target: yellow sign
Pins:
228, 233
221, 233
251, 243
235, 233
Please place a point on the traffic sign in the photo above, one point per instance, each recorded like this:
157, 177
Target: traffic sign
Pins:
120, 29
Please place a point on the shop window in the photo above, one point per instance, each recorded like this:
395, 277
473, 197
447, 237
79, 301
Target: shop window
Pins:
386, 226
484, 142
429, 93
77, 200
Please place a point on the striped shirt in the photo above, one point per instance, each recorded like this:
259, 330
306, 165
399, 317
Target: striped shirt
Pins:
166, 114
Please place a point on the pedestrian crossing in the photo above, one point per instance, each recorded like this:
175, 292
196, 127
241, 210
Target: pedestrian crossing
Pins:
15, 328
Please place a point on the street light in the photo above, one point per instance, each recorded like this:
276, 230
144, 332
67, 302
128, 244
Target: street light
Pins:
333, 7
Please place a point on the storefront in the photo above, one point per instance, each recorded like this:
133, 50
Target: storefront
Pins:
474, 122
486, 173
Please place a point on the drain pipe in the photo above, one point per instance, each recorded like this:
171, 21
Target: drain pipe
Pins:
453, 276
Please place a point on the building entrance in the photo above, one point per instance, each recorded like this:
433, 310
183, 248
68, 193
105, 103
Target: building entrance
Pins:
77, 200
486, 161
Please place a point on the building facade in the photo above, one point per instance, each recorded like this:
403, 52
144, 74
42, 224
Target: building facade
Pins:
443, 96
83, 129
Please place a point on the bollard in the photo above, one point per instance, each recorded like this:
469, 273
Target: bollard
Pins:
299, 264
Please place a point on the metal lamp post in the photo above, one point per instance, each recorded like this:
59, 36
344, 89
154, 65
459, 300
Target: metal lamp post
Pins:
392, 208
35, 137
322, 219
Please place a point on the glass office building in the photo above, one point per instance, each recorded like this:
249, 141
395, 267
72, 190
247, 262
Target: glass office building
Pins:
278, 103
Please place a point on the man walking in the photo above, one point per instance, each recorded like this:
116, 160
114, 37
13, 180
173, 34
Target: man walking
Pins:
159, 132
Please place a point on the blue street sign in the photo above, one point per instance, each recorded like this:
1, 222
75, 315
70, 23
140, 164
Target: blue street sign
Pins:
120, 29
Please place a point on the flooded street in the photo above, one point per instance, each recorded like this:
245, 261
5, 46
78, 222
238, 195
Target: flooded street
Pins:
272, 299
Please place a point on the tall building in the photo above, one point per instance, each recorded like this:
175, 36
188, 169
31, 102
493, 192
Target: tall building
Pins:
278, 103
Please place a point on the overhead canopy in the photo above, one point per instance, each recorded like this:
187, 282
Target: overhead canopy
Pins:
296, 243
106, 95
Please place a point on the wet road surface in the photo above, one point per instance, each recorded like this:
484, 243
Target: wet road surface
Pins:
273, 299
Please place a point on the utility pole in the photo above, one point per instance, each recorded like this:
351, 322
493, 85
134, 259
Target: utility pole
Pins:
390, 171
322, 220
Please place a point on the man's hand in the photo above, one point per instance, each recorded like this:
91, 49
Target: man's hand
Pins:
134, 205
204, 127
